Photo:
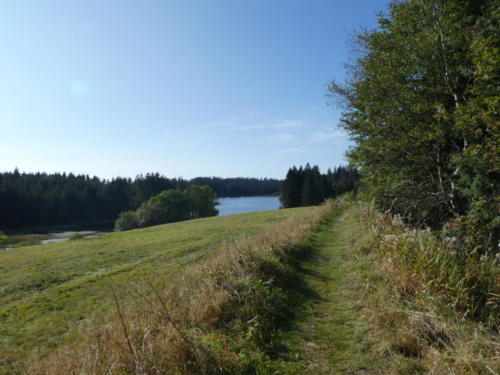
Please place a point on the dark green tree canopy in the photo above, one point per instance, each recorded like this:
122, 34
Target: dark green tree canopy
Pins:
420, 105
307, 186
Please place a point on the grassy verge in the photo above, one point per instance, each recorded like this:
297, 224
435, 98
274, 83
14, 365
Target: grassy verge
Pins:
385, 299
48, 291
435, 309
223, 316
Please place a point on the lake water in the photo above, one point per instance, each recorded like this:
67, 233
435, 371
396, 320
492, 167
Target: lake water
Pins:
239, 205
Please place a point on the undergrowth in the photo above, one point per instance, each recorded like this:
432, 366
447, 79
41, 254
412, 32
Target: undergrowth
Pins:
220, 317
437, 311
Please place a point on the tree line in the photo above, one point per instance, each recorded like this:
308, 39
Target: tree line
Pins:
422, 104
307, 186
45, 199
239, 186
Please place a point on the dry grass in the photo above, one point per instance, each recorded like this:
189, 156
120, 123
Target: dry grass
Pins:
202, 323
436, 311
48, 291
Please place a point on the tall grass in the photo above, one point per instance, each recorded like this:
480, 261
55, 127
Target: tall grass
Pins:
433, 264
439, 306
219, 317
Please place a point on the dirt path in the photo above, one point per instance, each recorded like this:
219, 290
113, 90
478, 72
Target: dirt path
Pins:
332, 336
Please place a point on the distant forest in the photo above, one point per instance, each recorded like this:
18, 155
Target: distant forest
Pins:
45, 199
307, 186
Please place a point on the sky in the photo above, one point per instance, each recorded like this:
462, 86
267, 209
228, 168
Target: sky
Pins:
181, 87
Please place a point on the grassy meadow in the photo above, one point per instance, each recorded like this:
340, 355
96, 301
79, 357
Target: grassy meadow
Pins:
332, 289
48, 291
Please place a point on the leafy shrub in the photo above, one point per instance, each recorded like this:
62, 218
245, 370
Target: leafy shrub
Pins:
202, 201
167, 207
127, 220
170, 206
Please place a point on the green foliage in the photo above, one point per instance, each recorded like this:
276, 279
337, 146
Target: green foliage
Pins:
421, 104
202, 201
166, 207
312, 188
478, 167
127, 220
170, 206
291, 189
308, 187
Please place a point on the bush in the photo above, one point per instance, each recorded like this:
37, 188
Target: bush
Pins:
202, 201
167, 207
170, 206
126, 220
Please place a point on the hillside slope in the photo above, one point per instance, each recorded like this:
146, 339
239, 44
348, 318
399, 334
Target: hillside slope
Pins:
333, 289
47, 291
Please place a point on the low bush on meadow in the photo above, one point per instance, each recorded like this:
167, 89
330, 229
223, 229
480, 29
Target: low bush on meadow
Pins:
170, 206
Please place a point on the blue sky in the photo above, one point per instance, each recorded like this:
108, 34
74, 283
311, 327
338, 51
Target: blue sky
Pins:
185, 88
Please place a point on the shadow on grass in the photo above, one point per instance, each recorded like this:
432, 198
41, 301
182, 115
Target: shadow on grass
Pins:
299, 292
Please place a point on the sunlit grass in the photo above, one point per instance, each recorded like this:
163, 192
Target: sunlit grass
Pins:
47, 290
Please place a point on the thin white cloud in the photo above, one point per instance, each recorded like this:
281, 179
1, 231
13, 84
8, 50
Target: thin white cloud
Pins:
236, 121
251, 122
288, 124
280, 138
277, 125
327, 135
253, 127
289, 150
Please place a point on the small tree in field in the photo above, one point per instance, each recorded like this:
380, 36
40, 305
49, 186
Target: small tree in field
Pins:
202, 201
170, 206
166, 207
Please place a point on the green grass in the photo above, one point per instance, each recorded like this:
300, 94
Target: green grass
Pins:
329, 334
333, 333
47, 290
18, 240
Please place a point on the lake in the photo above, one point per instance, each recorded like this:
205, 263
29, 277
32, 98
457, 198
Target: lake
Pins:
239, 205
